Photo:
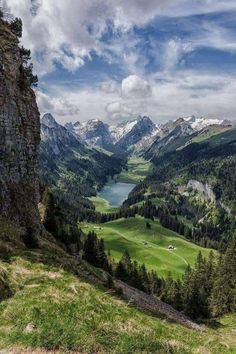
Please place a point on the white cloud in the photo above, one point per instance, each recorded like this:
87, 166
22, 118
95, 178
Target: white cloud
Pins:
173, 52
189, 92
113, 107
135, 87
179, 94
67, 31
56, 105
110, 86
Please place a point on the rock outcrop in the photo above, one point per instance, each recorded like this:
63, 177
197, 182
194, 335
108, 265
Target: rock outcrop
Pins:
19, 136
202, 188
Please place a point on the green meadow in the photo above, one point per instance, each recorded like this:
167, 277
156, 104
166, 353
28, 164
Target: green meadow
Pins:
137, 170
149, 246
102, 205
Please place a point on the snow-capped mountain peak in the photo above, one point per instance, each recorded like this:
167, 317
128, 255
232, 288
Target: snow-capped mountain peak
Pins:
139, 134
198, 123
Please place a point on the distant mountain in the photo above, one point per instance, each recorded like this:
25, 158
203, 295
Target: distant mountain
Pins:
129, 136
172, 136
73, 170
176, 134
56, 138
141, 135
138, 134
94, 133
201, 122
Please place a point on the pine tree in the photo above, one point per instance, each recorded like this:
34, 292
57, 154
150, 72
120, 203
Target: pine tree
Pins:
120, 272
135, 280
102, 257
144, 279
90, 253
224, 291
16, 27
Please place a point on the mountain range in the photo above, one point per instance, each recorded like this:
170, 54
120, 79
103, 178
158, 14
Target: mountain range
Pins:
141, 134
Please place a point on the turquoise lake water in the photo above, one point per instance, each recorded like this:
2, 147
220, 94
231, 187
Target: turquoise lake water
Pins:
116, 193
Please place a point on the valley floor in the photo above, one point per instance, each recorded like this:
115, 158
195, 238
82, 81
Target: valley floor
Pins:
54, 310
137, 170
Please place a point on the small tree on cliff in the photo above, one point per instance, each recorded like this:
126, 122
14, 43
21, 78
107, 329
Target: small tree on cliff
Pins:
16, 27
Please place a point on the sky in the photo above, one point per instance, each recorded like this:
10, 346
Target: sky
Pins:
116, 59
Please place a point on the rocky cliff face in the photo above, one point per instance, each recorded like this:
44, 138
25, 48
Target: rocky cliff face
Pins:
19, 136
202, 188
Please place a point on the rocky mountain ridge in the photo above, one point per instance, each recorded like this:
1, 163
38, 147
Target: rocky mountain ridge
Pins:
137, 136
19, 134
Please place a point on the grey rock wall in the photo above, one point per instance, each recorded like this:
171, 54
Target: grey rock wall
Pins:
202, 188
19, 137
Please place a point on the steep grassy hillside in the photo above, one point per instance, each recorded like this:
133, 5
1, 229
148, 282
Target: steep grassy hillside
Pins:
52, 309
149, 246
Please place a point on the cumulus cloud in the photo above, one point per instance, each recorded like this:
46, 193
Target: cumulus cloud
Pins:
179, 94
56, 105
113, 107
134, 86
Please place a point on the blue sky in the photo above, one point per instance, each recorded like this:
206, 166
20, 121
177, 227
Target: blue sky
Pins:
114, 60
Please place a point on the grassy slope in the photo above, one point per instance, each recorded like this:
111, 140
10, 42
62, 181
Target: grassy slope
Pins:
137, 170
131, 235
67, 313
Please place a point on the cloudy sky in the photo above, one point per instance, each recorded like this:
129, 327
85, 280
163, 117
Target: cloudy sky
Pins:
115, 59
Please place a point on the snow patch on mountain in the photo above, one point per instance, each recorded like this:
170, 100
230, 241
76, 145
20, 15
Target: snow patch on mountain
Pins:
119, 131
198, 123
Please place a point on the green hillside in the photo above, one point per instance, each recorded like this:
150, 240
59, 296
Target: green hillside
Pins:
50, 308
149, 246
